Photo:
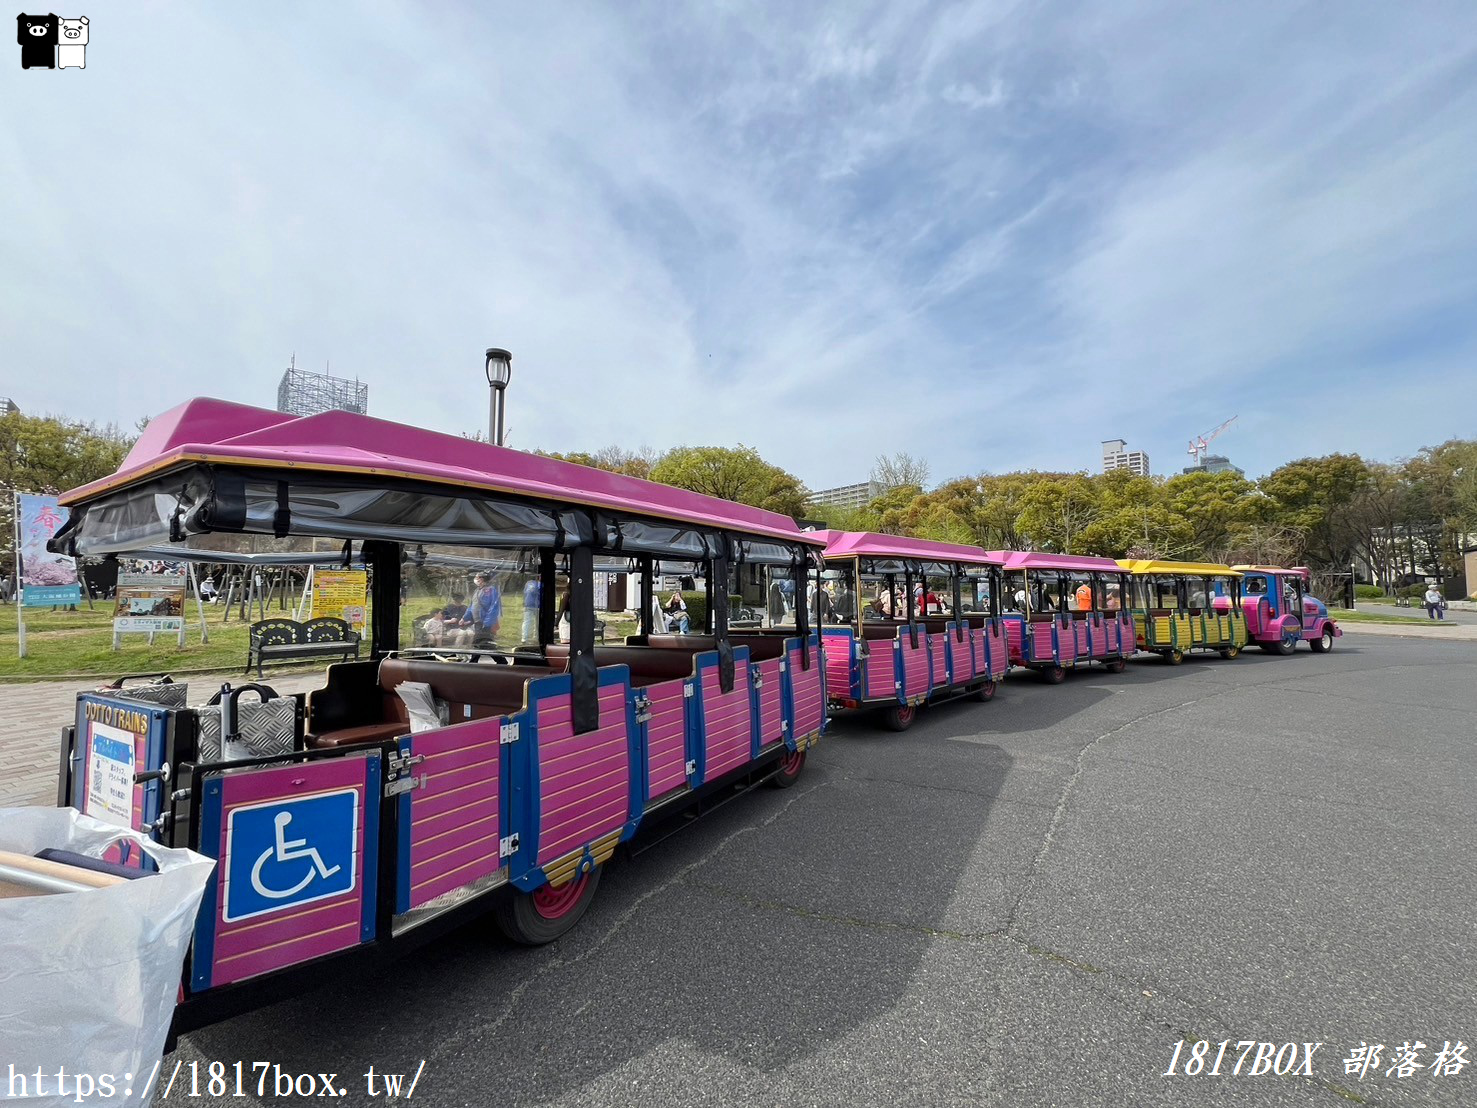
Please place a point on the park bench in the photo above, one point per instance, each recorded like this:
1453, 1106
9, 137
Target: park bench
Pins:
287, 640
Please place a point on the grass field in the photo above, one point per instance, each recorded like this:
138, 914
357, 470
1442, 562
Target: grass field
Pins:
61, 643
1343, 615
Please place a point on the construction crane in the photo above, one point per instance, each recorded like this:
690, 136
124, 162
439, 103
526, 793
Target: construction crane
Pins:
1199, 445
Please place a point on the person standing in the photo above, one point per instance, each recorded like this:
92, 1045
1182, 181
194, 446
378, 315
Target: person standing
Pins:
1084, 597
1435, 603
532, 597
486, 615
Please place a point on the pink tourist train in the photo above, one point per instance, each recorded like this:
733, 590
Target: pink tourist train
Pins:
498, 767
912, 622
1063, 611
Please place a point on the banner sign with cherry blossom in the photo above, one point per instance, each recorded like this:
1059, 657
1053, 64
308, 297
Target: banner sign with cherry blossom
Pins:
45, 578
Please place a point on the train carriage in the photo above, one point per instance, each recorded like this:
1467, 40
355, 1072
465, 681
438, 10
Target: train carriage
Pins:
1062, 611
362, 821
1179, 607
911, 622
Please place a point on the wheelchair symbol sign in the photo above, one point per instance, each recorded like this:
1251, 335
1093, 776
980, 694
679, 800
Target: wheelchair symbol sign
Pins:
286, 853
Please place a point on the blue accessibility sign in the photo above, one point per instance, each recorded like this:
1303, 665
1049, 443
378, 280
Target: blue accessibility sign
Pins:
286, 853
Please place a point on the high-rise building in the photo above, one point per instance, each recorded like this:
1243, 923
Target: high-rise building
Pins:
1116, 455
1215, 463
8, 405
848, 496
301, 393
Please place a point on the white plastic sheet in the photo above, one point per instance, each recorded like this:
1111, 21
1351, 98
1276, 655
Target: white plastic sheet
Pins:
88, 981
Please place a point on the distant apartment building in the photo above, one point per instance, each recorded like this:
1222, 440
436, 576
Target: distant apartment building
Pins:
1215, 463
848, 496
1116, 455
7, 406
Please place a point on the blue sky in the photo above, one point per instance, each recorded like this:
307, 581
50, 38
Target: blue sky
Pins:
988, 234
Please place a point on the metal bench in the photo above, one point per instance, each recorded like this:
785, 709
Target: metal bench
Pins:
287, 640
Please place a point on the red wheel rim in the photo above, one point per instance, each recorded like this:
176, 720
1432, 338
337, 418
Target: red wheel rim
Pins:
552, 903
905, 713
792, 761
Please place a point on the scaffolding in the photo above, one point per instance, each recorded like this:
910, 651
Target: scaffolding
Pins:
301, 393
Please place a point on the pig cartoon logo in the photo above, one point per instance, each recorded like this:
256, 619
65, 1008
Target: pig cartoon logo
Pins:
37, 35
71, 49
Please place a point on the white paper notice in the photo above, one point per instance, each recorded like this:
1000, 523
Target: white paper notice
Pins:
110, 776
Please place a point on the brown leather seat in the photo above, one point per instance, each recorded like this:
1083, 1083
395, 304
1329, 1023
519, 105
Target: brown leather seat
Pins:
761, 647
648, 665
470, 692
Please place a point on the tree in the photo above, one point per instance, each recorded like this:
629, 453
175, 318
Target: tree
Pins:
1216, 506
612, 459
1313, 497
737, 474
893, 471
1056, 510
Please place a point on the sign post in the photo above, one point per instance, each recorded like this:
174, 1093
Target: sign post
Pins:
149, 602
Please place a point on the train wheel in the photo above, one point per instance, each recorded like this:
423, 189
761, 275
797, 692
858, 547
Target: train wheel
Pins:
1116, 665
543, 915
790, 766
1174, 657
1229, 652
899, 717
985, 692
1055, 675
1324, 644
1285, 646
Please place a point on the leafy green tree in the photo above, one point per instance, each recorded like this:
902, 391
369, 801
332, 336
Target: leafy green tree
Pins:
1313, 496
737, 474
47, 454
1216, 506
1055, 511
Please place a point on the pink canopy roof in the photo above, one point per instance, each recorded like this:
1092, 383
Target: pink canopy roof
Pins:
1067, 563
866, 544
206, 430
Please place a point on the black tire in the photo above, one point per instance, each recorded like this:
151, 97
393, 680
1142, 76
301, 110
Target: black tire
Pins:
1229, 652
1324, 644
899, 717
791, 766
1286, 646
1055, 675
1116, 665
1174, 657
986, 692
531, 919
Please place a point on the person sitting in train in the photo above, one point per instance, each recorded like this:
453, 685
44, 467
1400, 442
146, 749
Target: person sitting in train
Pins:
675, 611
873, 609
1111, 603
1083, 597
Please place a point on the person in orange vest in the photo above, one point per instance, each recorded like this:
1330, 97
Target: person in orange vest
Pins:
1084, 597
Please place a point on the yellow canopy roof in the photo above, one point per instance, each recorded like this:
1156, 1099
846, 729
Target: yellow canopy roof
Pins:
1146, 566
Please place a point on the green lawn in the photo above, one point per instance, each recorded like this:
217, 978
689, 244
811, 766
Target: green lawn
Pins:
79, 644
1343, 615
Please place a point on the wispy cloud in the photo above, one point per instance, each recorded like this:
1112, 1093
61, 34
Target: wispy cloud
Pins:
991, 234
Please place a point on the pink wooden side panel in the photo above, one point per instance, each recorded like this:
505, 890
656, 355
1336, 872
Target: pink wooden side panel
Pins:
838, 664
1015, 632
881, 679
947, 648
1041, 643
666, 739
771, 702
915, 665
454, 816
584, 780
977, 637
261, 944
727, 722
1082, 632
999, 652
810, 704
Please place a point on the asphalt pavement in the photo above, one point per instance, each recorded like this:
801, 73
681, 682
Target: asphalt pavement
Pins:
1027, 902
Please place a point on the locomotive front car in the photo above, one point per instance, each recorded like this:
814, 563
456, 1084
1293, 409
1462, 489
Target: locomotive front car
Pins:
1280, 612
908, 622
408, 789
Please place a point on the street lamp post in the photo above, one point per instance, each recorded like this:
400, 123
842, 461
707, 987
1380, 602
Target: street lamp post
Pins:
499, 373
